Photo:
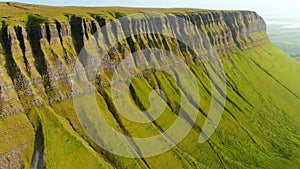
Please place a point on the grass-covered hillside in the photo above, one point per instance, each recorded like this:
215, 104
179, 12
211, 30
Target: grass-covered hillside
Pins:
39, 127
17, 13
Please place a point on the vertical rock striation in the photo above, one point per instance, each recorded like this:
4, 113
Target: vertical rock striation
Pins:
36, 60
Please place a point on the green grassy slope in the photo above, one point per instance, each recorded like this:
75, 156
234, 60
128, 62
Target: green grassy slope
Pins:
62, 146
17, 13
259, 128
17, 134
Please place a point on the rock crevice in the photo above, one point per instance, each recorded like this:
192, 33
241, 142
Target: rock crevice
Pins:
37, 59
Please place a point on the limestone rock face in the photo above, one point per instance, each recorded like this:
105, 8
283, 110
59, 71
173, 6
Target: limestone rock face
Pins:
37, 60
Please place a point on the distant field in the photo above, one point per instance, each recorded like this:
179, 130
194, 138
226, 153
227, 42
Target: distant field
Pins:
286, 38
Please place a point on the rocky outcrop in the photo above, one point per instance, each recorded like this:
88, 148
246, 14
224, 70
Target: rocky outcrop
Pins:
37, 59
39, 126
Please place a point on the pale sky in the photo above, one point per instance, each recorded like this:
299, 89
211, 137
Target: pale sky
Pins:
269, 9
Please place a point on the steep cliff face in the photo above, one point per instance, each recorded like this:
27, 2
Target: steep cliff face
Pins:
37, 58
39, 127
